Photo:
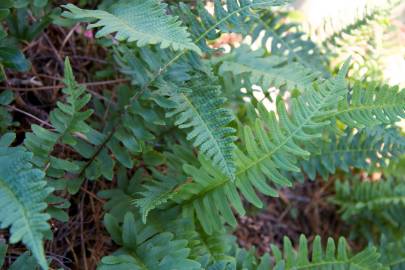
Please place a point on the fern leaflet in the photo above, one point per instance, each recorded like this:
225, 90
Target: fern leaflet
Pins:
333, 257
22, 200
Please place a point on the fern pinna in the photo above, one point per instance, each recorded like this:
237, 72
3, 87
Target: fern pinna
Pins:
183, 144
23, 191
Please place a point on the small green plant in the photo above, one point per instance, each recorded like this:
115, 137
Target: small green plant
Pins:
186, 149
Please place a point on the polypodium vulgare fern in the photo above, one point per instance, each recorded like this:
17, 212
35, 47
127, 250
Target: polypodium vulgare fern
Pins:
186, 143
266, 155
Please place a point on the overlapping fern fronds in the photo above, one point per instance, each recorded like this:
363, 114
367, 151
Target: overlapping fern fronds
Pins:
380, 203
23, 192
268, 71
370, 147
145, 247
272, 146
371, 105
367, 38
234, 17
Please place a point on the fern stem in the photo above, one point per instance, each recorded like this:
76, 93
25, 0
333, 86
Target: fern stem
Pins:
97, 151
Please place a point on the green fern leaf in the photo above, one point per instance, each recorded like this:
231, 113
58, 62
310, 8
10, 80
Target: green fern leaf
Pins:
67, 119
362, 150
157, 192
372, 106
267, 155
199, 106
332, 257
22, 200
368, 196
145, 248
145, 22
268, 71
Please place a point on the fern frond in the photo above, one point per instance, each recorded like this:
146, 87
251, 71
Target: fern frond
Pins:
22, 200
144, 22
368, 196
69, 128
68, 120
199, 106
211, 194
363, 37
243, 8
372, 105
157, 191
364, 149
335, 31
393, 252
268, 71
380, 203
145, 248
284, 39
331, 257
141, 64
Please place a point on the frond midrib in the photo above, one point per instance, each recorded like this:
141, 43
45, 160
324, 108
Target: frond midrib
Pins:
329, 263
368, 107
134, 31
165, 67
